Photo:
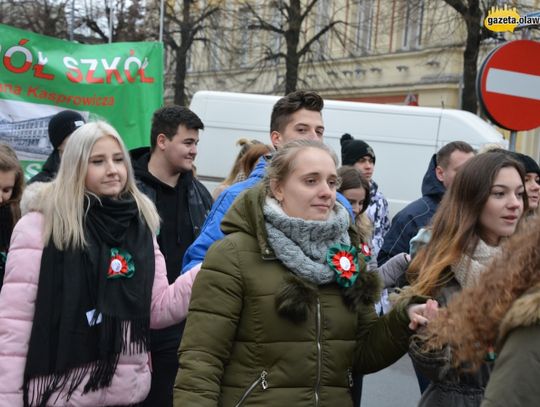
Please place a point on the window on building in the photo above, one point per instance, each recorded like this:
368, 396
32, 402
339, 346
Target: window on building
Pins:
412, 24
275, 38
243, 21
215, 41
322, 19
364, 21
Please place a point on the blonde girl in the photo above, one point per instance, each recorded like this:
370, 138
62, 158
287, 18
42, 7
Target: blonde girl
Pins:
85, 282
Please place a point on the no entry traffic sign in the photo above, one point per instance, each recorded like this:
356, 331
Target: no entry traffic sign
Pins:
508, 85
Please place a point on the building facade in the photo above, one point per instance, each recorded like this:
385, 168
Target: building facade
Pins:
383, 51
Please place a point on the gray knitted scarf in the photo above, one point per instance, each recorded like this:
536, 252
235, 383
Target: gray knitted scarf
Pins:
301, 244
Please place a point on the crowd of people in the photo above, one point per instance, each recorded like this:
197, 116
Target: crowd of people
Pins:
125, 282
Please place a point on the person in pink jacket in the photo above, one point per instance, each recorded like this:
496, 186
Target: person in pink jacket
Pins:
85, 281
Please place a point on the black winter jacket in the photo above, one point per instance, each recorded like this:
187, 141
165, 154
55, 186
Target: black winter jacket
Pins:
49, 169
188, 227
417, 214
199, 199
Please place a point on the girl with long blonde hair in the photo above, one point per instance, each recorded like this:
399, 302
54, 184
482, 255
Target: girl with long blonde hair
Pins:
85, 281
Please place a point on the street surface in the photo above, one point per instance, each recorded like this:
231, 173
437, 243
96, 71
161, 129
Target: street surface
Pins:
395, 386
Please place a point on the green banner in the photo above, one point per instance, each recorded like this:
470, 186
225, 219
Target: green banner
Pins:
40, 76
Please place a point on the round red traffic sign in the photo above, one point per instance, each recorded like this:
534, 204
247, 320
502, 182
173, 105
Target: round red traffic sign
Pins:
508, 85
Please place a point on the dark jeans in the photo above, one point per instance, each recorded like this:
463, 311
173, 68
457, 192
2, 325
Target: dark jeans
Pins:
423, 381
357, 390
164, 353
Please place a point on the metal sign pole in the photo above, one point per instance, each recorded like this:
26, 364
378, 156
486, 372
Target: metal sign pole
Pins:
161, 12
110, 21
72, 20
512, 144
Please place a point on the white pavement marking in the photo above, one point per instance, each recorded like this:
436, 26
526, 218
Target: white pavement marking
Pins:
513, 83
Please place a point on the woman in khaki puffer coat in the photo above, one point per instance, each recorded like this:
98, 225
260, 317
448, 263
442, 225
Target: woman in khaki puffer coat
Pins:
271, 322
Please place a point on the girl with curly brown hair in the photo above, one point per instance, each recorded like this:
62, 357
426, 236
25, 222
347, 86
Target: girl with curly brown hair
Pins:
482, 208
500, 317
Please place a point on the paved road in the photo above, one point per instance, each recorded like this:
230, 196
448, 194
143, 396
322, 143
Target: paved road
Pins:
395, 386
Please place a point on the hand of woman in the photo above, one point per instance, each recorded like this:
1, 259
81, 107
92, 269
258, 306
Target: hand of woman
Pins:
421, 314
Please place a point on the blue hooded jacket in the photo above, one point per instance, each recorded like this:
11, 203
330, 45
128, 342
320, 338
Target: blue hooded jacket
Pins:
417, 214
211, 230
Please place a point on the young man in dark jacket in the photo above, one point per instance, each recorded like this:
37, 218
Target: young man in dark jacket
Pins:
438, 178
164, 172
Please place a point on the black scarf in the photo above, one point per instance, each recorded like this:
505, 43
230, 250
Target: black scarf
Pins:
6, 228
68, 340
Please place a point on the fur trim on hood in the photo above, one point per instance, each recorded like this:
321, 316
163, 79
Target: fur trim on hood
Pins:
32, 200
525, 311
296, 298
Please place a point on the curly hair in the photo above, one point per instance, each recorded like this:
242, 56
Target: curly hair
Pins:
470, 324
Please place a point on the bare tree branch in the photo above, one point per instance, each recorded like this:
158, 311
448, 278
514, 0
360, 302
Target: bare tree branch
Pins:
316, 37
262, 24
457, 5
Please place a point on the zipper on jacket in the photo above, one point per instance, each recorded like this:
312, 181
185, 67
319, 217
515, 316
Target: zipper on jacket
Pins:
319, 353
350, 380
260, 380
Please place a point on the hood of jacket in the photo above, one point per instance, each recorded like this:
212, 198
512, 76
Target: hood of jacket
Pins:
32, 199
48, 170
431, 186
246, 216
525, 311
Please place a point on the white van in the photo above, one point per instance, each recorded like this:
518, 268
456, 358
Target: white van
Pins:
403, 137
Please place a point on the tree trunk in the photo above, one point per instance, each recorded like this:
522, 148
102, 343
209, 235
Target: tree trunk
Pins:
182, 55
469, 99
292, 36
180, 77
